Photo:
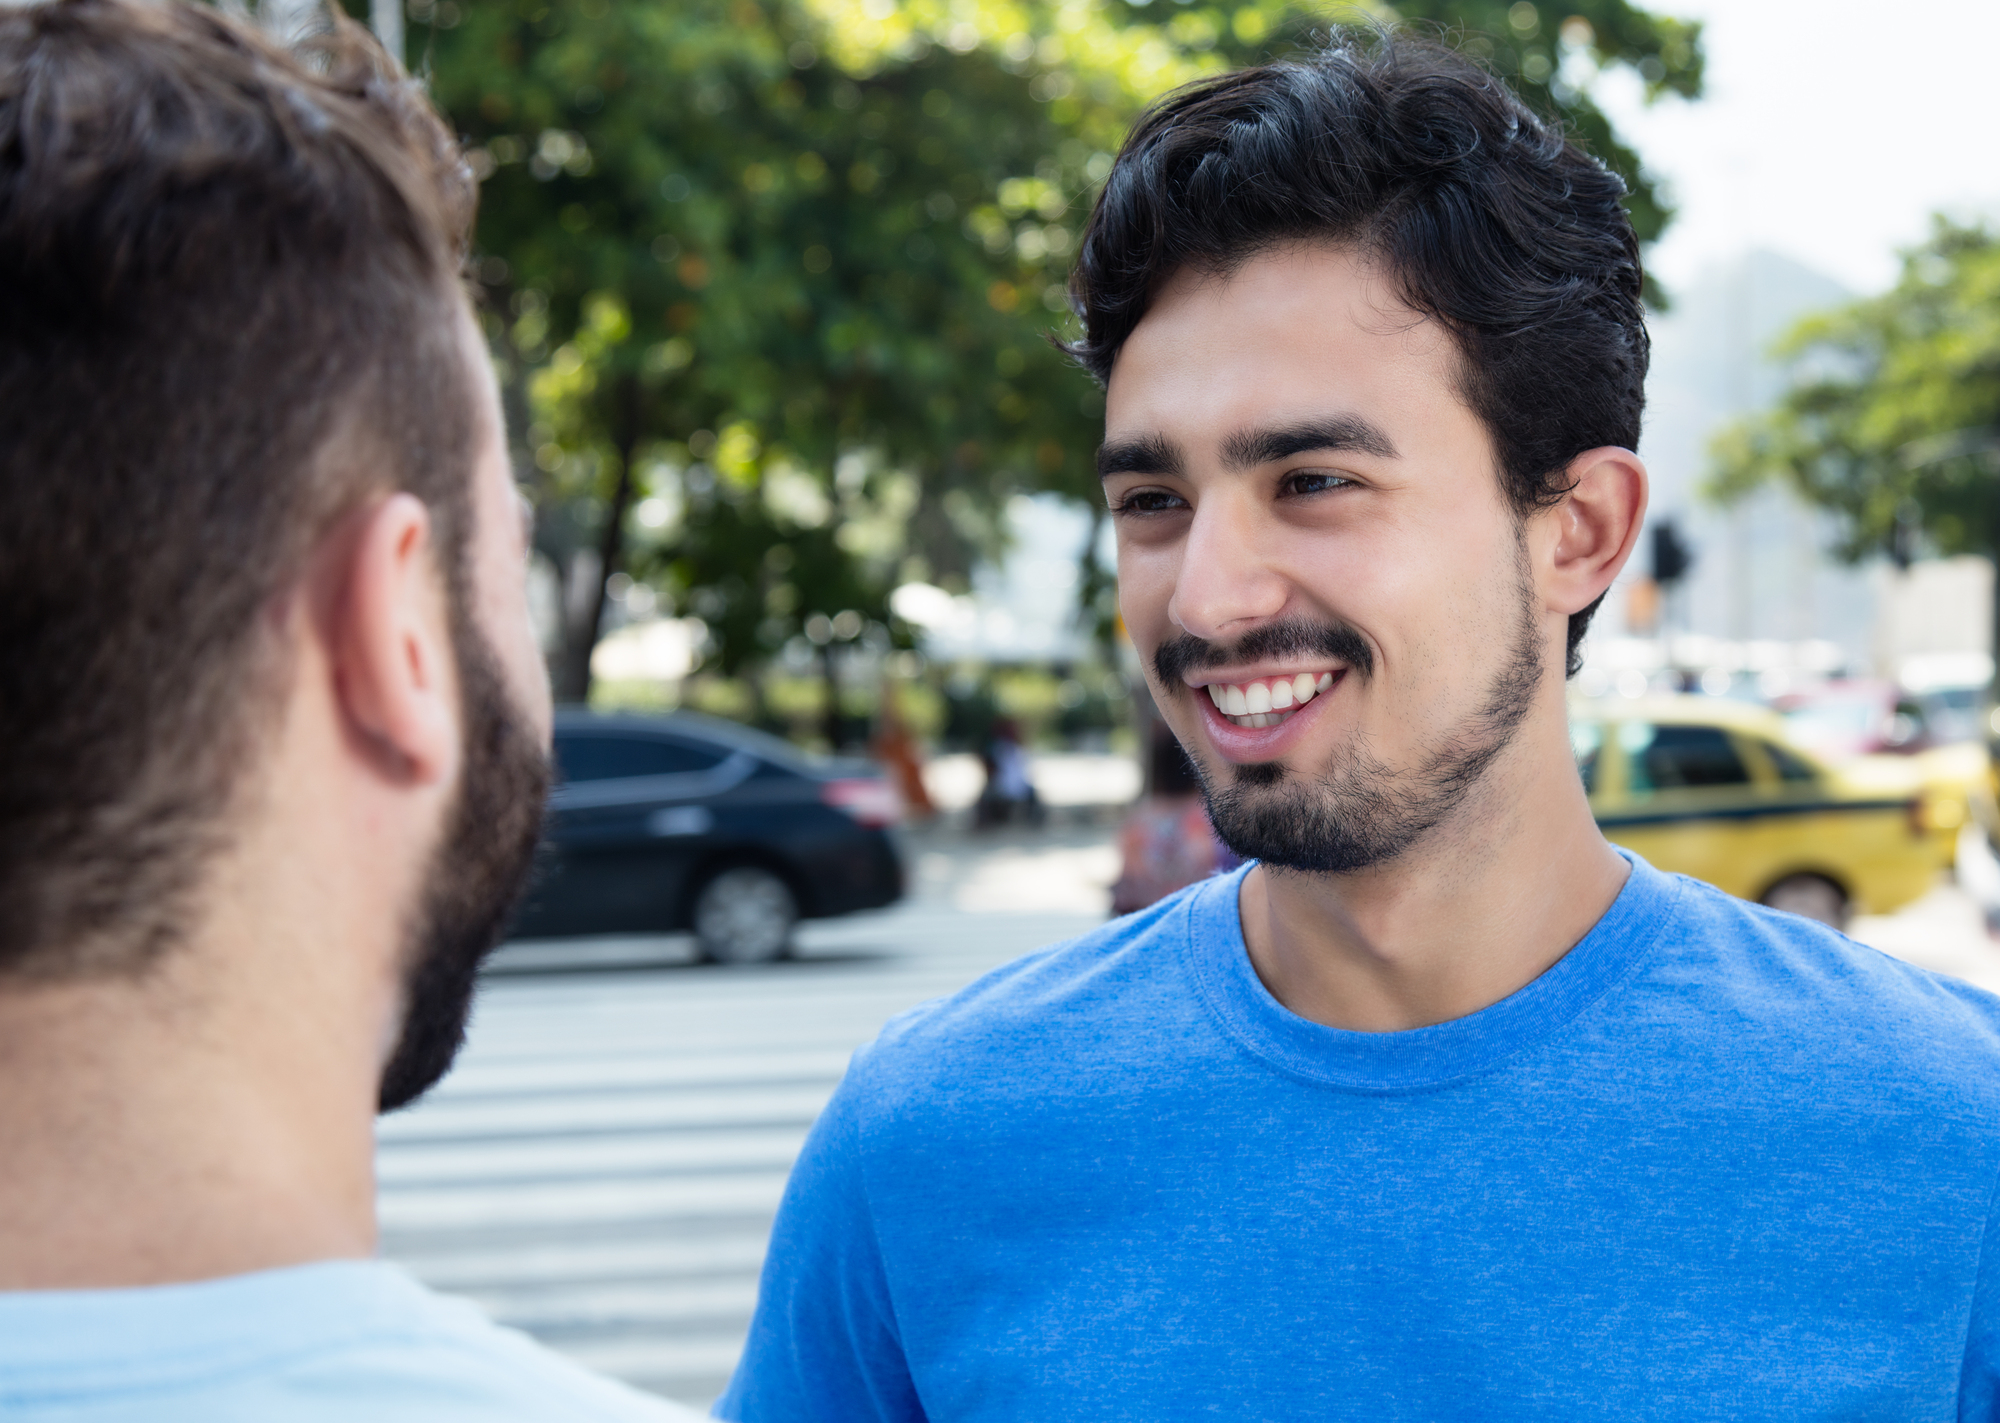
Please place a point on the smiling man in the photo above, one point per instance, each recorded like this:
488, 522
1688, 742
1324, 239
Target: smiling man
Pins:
1441, 1107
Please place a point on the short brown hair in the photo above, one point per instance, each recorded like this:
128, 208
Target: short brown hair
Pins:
231, 312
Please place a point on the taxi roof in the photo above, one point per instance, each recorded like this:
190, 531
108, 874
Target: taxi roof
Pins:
1680, 710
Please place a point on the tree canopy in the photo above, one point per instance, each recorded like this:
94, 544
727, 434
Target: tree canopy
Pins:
1891, 418
771, 281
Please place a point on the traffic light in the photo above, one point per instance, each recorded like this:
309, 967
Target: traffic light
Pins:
1671, 555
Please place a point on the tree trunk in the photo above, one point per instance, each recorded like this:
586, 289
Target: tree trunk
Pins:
1991, 710
836, 727
572, 671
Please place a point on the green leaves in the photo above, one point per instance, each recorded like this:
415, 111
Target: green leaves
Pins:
732, 249
1892, 419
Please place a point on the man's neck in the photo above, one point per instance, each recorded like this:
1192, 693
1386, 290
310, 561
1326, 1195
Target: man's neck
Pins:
1480, 908
154, 1134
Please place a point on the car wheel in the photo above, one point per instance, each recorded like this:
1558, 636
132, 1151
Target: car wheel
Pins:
1812, 896
745, 915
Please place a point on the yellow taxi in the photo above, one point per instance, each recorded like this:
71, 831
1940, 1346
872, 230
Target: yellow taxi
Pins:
1713, 789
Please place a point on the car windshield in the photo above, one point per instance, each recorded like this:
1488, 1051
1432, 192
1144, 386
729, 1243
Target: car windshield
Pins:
1789, 766
604, 756
757, 743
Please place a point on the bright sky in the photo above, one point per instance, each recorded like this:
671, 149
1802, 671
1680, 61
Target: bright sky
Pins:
1831, 129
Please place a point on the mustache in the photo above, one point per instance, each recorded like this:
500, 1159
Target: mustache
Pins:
1335, 639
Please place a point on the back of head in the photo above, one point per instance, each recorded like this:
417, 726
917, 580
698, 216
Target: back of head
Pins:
230, 315
1485, 216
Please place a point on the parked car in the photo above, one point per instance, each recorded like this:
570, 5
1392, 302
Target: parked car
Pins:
1717, 790
666, 823
1876, 734
1857, 717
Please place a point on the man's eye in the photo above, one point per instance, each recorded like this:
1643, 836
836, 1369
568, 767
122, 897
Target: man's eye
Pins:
1148, 501
1313, 481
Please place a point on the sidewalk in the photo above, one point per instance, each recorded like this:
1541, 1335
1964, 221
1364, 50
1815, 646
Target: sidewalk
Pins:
1945, 932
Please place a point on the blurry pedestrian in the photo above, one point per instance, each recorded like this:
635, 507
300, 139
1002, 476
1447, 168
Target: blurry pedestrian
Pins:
1009, 792
1167, 842
895, 750
274, 727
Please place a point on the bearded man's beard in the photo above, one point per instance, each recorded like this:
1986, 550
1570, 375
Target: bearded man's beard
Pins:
1359, 811
476, 874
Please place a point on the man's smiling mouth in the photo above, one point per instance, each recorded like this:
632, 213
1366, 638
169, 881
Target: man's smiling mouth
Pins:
1267, 701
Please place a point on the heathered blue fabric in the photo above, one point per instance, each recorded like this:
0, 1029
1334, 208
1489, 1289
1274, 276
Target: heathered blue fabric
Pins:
1717, 1163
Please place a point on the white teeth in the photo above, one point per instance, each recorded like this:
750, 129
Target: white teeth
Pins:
1263, 703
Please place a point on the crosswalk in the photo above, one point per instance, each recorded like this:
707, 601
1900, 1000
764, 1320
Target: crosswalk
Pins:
602, 1167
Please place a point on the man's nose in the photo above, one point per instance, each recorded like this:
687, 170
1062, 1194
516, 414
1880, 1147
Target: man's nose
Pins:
1225, 585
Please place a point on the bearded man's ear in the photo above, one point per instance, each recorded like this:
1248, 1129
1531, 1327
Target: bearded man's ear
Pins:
1595, 527
386, 625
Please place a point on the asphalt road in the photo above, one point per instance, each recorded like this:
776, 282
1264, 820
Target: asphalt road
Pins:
602, 1166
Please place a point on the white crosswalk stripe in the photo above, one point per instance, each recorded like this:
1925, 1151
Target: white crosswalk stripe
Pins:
602, 1166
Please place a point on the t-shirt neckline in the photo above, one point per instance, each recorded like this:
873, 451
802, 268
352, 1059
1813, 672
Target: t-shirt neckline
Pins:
1419, 1057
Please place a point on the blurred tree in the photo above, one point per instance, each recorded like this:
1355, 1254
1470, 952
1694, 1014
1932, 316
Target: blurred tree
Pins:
770, 283
1892, 418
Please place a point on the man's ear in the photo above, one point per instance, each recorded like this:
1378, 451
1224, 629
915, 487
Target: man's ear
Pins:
388, 629
1596, 527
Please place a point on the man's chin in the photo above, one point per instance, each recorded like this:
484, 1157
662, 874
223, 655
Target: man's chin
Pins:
1265, 811
1258, 775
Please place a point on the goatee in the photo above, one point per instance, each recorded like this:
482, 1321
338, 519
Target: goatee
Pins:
1359, 811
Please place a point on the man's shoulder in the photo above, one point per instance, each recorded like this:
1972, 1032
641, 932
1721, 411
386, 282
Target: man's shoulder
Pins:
486, 1371
1856, 1006
334, 1340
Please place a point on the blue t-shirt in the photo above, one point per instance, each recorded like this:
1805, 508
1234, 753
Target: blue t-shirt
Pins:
339, 1342
1717, 1163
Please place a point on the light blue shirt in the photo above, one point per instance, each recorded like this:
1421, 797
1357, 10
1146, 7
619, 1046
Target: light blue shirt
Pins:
353, 1341
1718, 1163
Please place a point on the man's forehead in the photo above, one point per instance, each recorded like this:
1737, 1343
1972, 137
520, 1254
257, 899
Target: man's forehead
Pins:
1297, 336
1336, 279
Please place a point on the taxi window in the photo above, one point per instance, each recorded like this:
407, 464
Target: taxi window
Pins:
1788, 766
1586, 739
1669, 758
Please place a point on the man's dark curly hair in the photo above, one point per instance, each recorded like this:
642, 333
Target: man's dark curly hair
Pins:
1488, 217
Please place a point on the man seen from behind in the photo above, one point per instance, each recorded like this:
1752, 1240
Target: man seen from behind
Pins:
273, 724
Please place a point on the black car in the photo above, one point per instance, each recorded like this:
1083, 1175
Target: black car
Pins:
663, 823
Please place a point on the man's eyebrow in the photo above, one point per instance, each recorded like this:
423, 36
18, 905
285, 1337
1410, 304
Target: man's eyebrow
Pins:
1149, 454
1246, 449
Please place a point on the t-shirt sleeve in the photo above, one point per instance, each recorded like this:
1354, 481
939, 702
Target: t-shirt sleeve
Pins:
824, 1343
1979, 1383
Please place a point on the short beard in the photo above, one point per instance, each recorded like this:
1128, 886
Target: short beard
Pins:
476, 874
1360, 811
